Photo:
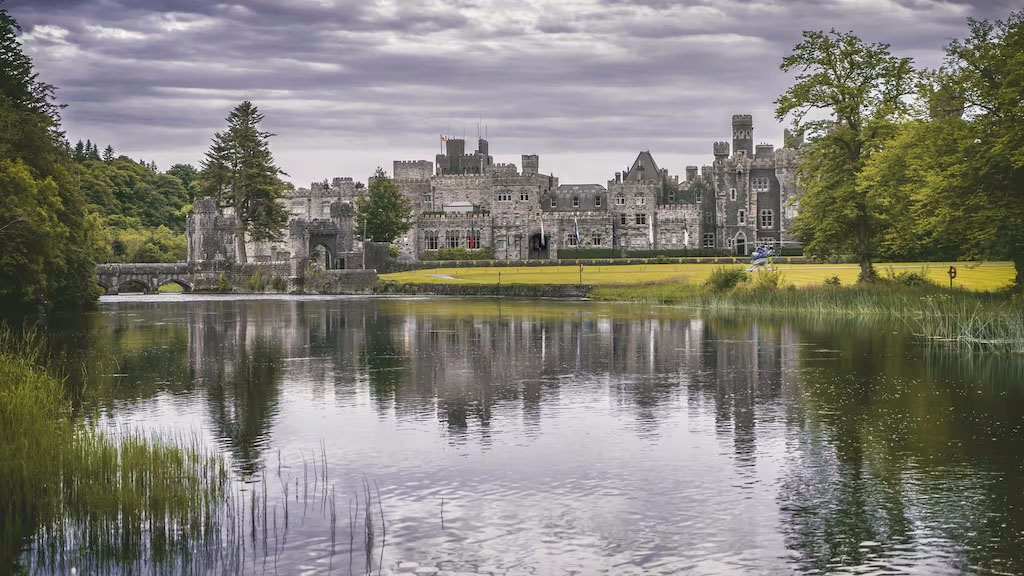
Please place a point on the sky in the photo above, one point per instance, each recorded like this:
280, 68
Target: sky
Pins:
349, 85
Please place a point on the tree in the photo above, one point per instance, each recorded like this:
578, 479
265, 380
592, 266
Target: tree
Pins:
44, 224
987, 71
239, 171
108, 153
860, 88
383, 214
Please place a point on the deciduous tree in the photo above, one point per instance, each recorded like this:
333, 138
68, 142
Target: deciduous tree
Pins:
383, 214
847, 96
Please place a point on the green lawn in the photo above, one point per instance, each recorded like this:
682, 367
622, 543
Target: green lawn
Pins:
974, 276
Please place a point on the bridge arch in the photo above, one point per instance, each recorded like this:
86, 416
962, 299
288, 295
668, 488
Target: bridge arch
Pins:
186, 286
133, 285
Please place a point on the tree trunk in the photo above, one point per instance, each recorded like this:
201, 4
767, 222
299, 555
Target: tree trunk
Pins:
1018, 264
867, 270
240, 238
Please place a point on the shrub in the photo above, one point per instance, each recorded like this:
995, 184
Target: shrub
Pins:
832, 281
393, 251
279, 284
723, 279
909, 278
257, 282
768, 280
223, 285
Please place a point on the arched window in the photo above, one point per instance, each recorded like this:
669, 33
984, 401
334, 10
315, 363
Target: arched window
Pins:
767, 218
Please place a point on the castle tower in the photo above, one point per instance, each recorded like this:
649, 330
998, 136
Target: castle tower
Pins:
691, 173
721, 150
743, 134
531, 164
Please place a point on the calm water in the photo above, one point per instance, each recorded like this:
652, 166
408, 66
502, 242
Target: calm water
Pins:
578, 438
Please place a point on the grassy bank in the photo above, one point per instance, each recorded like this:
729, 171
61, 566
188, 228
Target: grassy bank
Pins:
79, 497
986, 320
972, 276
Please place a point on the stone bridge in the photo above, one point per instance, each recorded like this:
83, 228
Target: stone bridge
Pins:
250, 277
114, 278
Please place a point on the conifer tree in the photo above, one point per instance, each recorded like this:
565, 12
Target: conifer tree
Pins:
239, 171
108, 153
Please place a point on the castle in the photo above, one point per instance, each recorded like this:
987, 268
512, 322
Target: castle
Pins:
746, 198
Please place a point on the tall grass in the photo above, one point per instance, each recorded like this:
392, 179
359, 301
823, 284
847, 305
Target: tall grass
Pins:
73, 496
989, 321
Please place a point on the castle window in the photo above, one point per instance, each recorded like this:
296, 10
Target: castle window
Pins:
325, 206
760, 184
767, 219
428, 200
728, 242
622, 219
741, 217
524, 196
554, 201
575, 201
709, 240
698, 196
430, 240
671, 196
732, 194
452, 239
504, 195
641, 219
597, 201
571, 239
707, 218
620, 200
595, 241
640, 200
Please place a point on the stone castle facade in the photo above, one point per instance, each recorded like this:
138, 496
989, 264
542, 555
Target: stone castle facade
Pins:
746, 198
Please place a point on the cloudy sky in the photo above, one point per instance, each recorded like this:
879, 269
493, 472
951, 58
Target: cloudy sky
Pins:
348, 85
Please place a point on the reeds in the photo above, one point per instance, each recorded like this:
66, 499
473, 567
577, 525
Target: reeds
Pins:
983, 321
72, 496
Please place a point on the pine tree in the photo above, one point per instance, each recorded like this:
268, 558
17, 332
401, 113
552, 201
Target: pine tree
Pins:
79, 153
239, 171
108, 154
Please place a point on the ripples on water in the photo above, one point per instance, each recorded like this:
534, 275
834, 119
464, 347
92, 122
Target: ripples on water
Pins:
577, 438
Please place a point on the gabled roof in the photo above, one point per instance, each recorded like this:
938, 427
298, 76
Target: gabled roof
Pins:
580, 188
643, 168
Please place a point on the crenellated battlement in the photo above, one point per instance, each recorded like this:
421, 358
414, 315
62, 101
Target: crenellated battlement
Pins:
721, 149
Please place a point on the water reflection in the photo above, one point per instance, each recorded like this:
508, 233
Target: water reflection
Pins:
576, 436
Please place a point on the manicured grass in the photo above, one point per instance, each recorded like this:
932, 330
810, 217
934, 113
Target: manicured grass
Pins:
972, 276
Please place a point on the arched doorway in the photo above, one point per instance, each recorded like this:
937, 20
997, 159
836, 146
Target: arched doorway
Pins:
539, 247
320, 255
741, 244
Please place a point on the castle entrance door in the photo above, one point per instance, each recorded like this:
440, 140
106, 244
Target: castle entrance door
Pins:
538, 247
741, 245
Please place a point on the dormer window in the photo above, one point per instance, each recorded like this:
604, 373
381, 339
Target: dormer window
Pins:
597, 200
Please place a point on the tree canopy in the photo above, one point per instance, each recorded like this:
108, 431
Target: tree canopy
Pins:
383, 214
847, 98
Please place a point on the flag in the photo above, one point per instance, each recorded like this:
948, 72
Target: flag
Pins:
576, 230
650, 230
686, 236
472, 235
543, 239
443, 139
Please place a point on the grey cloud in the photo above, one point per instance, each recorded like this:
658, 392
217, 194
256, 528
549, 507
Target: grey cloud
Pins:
156, 77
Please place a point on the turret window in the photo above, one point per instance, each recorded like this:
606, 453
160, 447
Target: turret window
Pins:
767, 218
732, 194
741, 217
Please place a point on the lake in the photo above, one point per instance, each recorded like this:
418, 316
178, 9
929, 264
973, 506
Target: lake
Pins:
565, 437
